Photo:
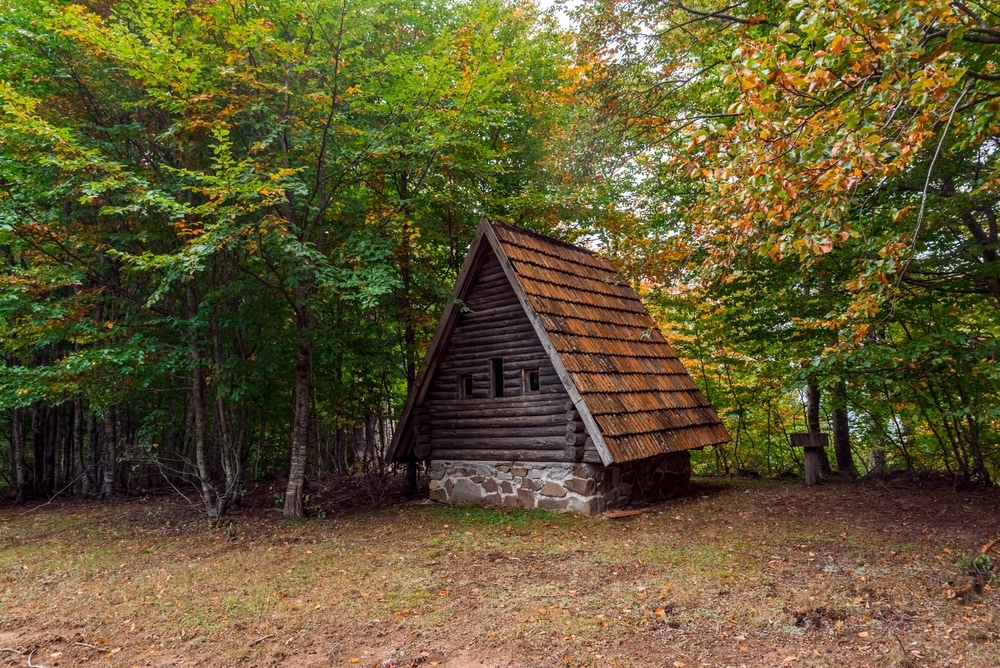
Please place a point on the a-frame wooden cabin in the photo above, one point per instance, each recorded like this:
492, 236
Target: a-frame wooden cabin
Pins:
547, 385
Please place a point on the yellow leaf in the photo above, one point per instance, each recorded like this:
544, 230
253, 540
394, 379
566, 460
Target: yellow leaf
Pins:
838, 44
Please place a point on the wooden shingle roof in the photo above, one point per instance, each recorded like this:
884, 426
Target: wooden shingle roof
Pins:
632, 392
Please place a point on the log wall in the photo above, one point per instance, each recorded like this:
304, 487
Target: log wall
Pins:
538, 427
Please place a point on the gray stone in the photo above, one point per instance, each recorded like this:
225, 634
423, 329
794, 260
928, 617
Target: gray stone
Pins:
518, 471
525, 498
477, 479
509, 501
501, 475
592, 506
449, 485
535, 474
437, 474
625, 489
439, 495
556, 505
582, 487
558, 473
436, 484
492, 499
506, 487
503, 469
553, 489
489, 485
466, 491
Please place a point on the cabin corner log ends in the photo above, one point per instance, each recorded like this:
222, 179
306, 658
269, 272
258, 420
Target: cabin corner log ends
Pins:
546, 362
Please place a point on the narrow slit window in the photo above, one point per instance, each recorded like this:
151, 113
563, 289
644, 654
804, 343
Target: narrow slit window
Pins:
465, 387
532, 381
496, 375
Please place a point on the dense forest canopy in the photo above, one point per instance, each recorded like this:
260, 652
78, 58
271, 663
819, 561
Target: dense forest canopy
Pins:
228, 228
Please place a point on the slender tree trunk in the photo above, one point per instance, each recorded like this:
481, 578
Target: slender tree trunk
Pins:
79, 473
90, 463
17, 444
300, 410
59, 449
198, 406
842, 431
812, 420
38, 447
108, 453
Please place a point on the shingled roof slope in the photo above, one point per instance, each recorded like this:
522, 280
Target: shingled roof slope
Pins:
635, 397
643, 399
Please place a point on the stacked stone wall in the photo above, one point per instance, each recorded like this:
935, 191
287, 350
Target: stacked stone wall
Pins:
560, 487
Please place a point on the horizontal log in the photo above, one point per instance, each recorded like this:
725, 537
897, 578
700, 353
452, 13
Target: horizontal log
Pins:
592, 457
573, 453
459, 454
481, 315
422, 450
486, 292
518, 339
572, 415
538, 405
575, 427
494, 442
488, 429
474, 419
484, 328
576, 439
491, 272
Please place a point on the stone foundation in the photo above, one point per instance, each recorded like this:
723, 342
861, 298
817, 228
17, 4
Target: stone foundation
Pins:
588, 489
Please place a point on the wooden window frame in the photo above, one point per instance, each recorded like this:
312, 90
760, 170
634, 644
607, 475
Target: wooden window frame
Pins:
465, 387
496, 377
526, 381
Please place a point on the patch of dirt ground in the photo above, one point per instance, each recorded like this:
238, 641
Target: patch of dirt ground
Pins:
740, 573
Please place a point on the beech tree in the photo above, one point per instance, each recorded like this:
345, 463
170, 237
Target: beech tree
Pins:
856, 141
220, 196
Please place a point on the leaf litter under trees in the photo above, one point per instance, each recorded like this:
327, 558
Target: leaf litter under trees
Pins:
742, 572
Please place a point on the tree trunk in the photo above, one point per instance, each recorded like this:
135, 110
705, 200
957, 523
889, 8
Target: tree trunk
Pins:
38, 447
79, 473
198, 406
812, 420
301, 402
90, 473
108, 454
842, 431
17, 444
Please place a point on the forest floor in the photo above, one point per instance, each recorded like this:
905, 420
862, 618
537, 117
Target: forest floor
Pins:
740, 573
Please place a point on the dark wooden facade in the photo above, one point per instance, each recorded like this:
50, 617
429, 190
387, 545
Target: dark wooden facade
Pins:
609, 387
526, 423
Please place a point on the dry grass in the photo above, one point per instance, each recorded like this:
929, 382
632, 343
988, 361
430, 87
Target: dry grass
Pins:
742, 573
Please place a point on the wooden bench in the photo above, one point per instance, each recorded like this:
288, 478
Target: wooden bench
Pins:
812, 443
